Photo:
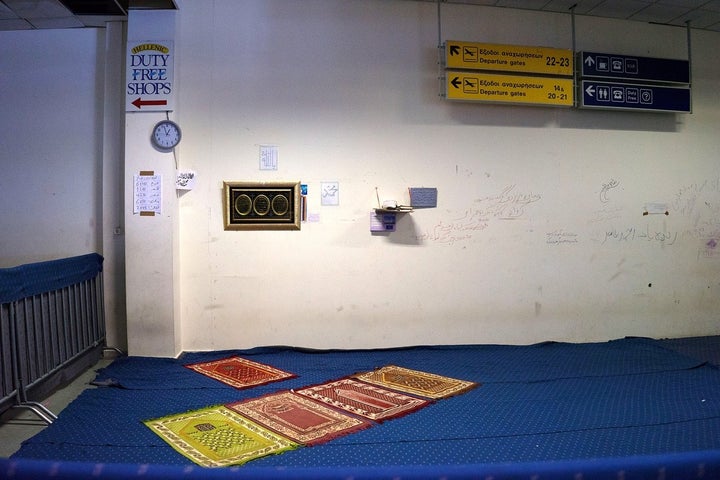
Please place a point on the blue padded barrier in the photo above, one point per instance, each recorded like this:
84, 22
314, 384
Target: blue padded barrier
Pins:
34, 278
684, 466
51, 313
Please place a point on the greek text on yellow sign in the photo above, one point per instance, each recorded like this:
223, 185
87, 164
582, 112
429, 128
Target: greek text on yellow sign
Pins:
518, 89
510, 58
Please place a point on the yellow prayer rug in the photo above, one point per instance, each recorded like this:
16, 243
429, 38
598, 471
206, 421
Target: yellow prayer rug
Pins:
415, 382
218, 437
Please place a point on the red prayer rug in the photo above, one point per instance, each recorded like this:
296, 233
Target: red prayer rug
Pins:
416, 382
363, 399
298, 418
239, 372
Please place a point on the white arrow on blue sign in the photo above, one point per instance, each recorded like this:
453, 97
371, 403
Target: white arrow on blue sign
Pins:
625, 67
630, 96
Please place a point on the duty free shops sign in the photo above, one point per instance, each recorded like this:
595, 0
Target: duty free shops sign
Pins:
149, 78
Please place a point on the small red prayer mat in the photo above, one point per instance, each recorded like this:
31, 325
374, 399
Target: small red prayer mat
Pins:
298, 418
363, 399
240, 372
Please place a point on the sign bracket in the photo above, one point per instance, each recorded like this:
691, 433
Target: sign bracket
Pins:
689, 54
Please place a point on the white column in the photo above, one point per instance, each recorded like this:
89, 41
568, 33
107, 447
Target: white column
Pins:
151, 253
113, 239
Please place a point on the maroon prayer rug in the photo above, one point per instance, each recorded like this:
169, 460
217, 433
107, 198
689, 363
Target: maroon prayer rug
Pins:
298, 418
363, 399
416, 382
239, 372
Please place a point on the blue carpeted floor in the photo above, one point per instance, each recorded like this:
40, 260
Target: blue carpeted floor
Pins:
551, 401
702, 348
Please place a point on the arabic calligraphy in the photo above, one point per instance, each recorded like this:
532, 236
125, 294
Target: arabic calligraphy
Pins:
606, 187
633, 233
509, 204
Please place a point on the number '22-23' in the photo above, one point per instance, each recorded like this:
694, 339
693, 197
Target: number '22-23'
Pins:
562, 61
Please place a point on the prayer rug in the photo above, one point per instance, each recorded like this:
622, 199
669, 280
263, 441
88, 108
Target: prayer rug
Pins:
218, 437
299, 418
363, 399
239, 372
416, 382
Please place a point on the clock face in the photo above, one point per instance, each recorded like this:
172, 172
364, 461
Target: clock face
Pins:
166, 135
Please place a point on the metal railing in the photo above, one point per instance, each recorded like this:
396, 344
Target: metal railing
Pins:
51, 313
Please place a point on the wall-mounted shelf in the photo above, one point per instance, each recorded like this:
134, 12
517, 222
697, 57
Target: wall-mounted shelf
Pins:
400, 209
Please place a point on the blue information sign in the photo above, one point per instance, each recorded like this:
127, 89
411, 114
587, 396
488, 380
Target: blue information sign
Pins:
630, 96
624, 67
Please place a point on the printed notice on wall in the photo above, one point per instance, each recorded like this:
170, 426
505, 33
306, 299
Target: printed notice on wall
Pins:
268, 157
147, 194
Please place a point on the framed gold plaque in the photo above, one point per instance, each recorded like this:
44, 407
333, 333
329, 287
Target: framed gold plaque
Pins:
261, 205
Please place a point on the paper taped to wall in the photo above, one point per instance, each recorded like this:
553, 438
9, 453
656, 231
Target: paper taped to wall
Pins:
423, 197
147, 193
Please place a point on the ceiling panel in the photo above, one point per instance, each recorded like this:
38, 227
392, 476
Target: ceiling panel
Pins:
619, 8
15, 24
43, 14
713, 6
700, 13
523, 4
659, 13
24, 14
38, 8
581, 7
699, 19
5, 12
684, 3
56, 22
97, 7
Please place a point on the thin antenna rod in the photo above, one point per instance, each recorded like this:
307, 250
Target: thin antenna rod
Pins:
439, 24
689, 53
689, 49
572, 23
574, 54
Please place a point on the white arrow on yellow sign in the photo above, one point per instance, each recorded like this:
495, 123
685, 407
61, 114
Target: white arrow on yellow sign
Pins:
518, 89
508, 58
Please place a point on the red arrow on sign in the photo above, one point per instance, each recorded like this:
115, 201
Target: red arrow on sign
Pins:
139, 102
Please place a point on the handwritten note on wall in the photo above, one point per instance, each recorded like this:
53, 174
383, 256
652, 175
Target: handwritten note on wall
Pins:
147, 194
510, 204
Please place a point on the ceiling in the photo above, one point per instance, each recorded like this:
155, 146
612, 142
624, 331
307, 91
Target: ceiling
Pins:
39, 14
44, 14
702, 14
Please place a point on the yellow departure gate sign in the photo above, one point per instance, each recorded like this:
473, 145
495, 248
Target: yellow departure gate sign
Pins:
508, 58
516, 89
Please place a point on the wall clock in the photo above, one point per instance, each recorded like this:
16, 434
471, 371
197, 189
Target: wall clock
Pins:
166, 135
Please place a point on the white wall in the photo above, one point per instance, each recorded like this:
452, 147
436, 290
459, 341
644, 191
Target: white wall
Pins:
51, 97
60, 151
524, 245
348, 91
